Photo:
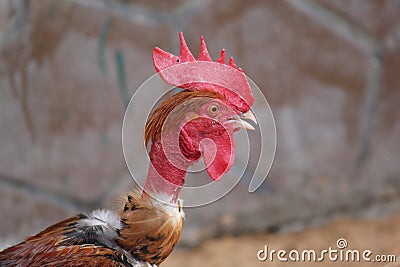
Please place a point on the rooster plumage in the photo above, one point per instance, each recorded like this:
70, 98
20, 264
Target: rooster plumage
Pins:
143, 233
145, 230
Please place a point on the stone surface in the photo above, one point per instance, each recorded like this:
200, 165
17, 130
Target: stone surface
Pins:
62, 103
377, 17
24, 214
380, 170
156, 5
5, 11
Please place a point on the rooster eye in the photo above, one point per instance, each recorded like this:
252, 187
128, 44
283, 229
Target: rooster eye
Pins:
213, 109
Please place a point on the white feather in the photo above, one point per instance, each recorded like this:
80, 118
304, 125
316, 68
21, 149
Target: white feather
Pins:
103, 217
104, 223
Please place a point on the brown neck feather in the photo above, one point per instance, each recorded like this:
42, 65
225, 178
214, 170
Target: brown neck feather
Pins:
157, 118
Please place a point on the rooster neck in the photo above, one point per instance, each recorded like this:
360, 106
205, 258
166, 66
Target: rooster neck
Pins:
167, 173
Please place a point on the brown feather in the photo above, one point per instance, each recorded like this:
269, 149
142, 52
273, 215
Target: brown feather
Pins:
149, 232
52, 247
158, 117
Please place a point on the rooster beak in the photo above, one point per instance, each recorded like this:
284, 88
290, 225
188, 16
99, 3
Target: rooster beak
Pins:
238, 121
250, 116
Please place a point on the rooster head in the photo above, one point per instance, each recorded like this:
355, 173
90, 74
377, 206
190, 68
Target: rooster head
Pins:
200, 120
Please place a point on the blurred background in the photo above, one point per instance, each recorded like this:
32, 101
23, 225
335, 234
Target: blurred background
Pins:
329, 69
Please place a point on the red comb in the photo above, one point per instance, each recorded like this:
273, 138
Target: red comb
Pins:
203, 74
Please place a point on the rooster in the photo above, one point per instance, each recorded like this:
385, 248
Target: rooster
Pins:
215, 98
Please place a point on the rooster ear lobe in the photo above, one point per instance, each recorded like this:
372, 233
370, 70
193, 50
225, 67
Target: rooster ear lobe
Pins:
219, 156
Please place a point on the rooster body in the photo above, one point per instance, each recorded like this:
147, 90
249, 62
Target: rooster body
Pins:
198, 122
142, 234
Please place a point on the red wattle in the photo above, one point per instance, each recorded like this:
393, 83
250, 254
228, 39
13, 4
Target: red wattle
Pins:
215, 143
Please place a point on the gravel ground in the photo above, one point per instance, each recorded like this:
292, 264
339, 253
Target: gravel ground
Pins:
381, 236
